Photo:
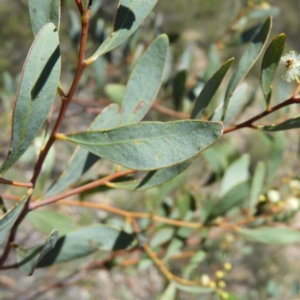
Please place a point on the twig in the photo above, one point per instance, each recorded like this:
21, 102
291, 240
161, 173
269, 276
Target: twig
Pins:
16, 183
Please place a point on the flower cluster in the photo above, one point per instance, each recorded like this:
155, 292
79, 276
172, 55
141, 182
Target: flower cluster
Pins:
292, 61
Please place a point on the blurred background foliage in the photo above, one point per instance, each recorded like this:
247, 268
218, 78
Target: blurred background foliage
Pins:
259, 271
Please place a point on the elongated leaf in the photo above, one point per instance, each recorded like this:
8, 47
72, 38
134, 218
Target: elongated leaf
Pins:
237, 172
152, 179
86, 241
269, 65
235, 195
169, 293
29, 258
36, 92
46, 220
235, 105
43, 12
209, 90
145, 81
256, 185
8, 220
82, 159
149, 145
247, 60
130, 14
271, 235
162, 236
288, 124
115, 92
194, 289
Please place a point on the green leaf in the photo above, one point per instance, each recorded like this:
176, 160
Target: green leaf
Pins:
194, 289
115, 92
46, 220
81, 159
85, 241
235, 195
264, 12
234, 105
37, 88
8, 220
247, 60
269, 65
256, 185
153, 178
143, 86
209, 90
288, 124
236, 173
271, 235
28, 259
275, 156
149, 145
162, 236
179, 89
130, 14
43, 12
169, 293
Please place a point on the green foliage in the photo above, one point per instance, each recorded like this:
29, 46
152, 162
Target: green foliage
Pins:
188, 198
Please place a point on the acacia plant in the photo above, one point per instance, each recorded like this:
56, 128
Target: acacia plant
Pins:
139, 155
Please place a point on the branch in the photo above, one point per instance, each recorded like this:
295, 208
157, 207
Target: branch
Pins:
16, 183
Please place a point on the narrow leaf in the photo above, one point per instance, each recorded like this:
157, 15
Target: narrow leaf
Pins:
130, 14
8, 220
37, 88
194, 289
271, 235
28, 259
145, 81
169, 293
152, 179
149, 145
85, 241
82, 160
288, 124
256, 185
43, 12
209, 90
235, 105
269, 65
247, 60
232, 198
46, 220
236, 173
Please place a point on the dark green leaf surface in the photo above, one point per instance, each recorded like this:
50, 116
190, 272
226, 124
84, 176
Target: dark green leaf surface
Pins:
130, 14
272, 235
37, 88
236, 173
8, 220
269, 65
115, 92
149, 145
29, 258
247, 60
235, 104
209, 90
145, 81
288, 124
153, 178
235, 195
86, 241
46, 220
256, 185
43, 12
82, 159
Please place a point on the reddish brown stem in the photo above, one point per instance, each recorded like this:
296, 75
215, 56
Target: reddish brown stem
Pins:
249, 123
81, 189
80, 6
65, 103
15, 183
